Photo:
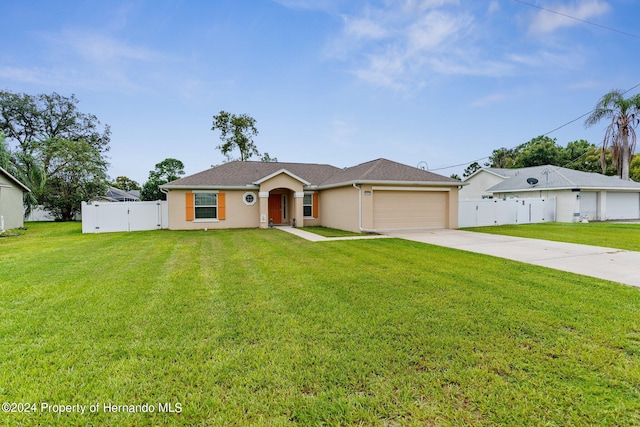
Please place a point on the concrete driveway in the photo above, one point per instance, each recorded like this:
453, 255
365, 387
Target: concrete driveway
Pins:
604, 263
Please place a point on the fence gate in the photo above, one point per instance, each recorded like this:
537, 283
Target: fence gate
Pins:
107, 217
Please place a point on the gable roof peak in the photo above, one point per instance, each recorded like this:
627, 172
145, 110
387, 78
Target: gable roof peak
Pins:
15, 180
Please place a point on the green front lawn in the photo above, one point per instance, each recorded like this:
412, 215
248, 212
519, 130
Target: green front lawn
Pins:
606, 234
259, 327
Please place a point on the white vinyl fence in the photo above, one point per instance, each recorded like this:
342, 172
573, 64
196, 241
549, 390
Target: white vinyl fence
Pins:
485, 212
107, 217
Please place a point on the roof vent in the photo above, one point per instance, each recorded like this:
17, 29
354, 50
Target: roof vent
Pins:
532, 181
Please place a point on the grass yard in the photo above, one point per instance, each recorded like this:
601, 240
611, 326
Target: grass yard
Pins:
606, 234
259, 327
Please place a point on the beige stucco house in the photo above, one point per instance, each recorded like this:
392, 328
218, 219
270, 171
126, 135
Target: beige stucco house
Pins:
379, 195
11, 201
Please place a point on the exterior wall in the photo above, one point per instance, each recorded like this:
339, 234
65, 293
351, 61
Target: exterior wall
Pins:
367, 207
478, 185
238, 215
11, 208
338, 208
281, 181
454, 206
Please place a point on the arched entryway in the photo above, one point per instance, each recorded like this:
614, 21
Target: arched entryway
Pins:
280, 204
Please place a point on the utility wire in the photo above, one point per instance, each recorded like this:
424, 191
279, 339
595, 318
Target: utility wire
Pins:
578, 19
544, 134
577, 118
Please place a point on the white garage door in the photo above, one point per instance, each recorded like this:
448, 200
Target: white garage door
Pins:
407, 210
622, 206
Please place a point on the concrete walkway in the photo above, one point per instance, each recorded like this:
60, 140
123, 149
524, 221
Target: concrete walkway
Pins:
604, 263
313, 237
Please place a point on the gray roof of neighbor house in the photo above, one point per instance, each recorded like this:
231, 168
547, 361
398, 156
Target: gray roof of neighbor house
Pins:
246, 174
119, 195
557, 178
14, 180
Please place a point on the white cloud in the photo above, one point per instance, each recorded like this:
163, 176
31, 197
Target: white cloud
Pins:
24, 75
392, 46
495, 98
435, 30
364, 28
101, 48
546, 22
544, 58
95, 60
326, 5
493, 8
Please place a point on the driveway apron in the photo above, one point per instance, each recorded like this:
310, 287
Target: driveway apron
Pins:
603, 263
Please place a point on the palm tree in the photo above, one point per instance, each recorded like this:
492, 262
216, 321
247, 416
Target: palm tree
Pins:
620, 134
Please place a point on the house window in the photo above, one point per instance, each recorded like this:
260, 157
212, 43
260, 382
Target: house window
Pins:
206, 206
249, 199
284, 206
307, 205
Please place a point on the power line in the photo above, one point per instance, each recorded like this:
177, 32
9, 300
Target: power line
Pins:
544, 134
578, 19
577, 118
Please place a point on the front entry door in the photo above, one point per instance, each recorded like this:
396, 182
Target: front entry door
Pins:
275, 208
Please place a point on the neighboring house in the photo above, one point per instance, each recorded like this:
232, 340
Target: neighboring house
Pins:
117, 195
112, 194
374, 196
578, 194
11, 201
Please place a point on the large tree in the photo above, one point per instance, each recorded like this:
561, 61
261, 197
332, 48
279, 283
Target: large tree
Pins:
469, 170
45, 130
125, 183
620, 135
76, 172
236, 132
166, 171
5, 153
584, 156
541, 150
503, 158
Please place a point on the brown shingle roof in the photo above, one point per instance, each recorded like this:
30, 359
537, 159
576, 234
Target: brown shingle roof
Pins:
241, 174
238, 174
386, 170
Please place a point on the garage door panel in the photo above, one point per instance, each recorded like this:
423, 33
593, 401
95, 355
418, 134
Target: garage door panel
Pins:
622, 206
398, 210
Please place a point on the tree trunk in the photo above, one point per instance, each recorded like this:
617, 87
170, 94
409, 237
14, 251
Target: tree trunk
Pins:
624, 152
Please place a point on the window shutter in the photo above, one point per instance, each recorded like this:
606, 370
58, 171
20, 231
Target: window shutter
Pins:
315, 205
222, 207
189, 206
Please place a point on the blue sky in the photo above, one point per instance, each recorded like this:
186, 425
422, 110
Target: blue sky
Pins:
328, 81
